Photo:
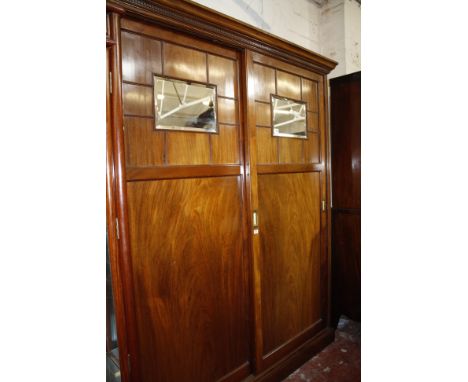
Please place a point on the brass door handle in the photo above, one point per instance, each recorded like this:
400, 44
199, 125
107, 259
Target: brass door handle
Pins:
255, 222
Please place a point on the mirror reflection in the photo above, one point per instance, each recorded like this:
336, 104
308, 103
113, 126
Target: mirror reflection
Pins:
288, 117
181, 105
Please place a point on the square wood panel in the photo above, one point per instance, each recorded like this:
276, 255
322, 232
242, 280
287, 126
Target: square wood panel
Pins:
225, 145
144, 146
313, 122
222, 72
267, 146
185, 63
312, 148
310, 94
291, 150
227, 111
187, 148
288, 85
141, 57
264, 82
262, 114
137, 100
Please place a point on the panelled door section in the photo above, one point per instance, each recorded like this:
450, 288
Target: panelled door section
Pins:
291, 187
186, 217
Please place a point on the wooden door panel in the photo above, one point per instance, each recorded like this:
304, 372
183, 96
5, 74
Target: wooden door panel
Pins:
290, 251
187, 148
267, 146
310, 94
227, 111
190, 278
312, 148
289, 218
303, 86
187, 228
137, 100
263, 114
265, 82
225, 145
223, 73
146, 55
181, 62
313, 121
288, 85
141, 57
144, 146
291, 150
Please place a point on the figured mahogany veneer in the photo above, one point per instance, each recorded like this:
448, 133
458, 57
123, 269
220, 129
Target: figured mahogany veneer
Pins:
290, 254
289, 205
192, 317
203, 297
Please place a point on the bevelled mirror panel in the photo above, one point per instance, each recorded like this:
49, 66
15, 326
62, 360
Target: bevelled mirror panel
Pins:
288, 117
184, 105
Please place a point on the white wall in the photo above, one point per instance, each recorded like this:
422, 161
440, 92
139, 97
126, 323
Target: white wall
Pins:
332, 34
332, 30
353, 36
293, 20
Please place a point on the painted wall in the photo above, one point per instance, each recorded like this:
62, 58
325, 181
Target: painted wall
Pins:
332, 34
333, 29
352, 36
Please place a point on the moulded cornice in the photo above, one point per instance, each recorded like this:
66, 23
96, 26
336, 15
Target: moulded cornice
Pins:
204, 22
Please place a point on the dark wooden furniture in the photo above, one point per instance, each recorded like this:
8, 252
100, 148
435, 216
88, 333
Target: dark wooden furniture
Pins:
204, 292
345, 114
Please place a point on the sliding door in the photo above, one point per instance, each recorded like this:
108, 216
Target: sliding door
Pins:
185, 191
288, 144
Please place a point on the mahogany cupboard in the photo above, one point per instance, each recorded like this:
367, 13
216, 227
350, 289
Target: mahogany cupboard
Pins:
345, 112
217, 196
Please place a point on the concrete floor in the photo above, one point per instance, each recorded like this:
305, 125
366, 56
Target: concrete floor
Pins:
338, 362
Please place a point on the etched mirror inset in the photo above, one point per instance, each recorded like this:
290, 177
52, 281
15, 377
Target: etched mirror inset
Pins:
184, 105
288, 117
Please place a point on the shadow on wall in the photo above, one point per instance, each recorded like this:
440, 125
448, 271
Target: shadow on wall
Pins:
254, 14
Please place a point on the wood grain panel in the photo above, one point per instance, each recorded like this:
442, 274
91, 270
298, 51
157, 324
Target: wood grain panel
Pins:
285, 168
225, 145
291, 150
178, 172
345, 102
288, 85
176, 37
263, 114
264, 78
262, 59
185, 63
313, 122
310, 94
141, 57
144, 146
267, 146
312, 148
227, 111
289, 219
189, 271
187, 148
137, 100
223, 73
